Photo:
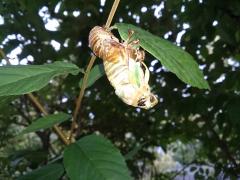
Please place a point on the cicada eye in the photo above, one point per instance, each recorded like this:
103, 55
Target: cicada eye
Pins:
141, 102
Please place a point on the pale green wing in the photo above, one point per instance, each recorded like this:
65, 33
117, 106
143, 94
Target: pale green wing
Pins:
136, 75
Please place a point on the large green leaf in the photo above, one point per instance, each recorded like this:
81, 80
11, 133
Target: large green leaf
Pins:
94, 157
96, 73
171, 56
19, 79
51, 172
46, 122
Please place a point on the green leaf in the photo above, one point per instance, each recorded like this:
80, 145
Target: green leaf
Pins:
46, 122
51, 172
19, 79
172, 57
94, 157
96, 73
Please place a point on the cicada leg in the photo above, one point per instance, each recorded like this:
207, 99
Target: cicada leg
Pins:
146, 73
109, 29
131, 48
130, 42
130, 35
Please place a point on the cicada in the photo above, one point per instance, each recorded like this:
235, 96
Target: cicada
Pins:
124, 67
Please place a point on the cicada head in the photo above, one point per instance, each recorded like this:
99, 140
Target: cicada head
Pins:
147, 102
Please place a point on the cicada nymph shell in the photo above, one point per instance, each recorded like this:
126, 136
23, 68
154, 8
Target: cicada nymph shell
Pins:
124, 68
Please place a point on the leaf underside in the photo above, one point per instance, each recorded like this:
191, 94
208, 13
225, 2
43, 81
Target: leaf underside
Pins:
171, 56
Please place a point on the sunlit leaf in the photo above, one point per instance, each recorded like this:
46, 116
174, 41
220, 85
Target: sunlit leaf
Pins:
19, 79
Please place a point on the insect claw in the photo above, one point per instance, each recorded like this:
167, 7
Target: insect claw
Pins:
111, 28
135, 42
130, 33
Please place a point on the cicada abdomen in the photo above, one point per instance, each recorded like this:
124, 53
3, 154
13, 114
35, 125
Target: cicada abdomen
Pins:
130, 82
104, 44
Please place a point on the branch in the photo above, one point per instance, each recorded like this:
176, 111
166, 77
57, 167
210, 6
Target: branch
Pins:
112, 12
4, 57
42, 109
85, 78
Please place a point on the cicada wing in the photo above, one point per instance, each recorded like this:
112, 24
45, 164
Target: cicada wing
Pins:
136, 75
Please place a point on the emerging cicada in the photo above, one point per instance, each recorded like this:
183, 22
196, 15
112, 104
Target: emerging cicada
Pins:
124, 68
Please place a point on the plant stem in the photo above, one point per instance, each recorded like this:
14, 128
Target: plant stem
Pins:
85, 78
80, 97
112, 12
4, 57
42, 109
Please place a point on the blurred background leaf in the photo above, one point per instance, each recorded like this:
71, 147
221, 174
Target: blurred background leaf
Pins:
46, 122
172, 57
51, 171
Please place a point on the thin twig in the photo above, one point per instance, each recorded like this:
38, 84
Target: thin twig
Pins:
42, 109
112, 12
80, 97
5, 57
85, 78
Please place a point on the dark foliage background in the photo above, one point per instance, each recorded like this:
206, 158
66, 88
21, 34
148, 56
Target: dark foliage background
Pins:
208, 120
